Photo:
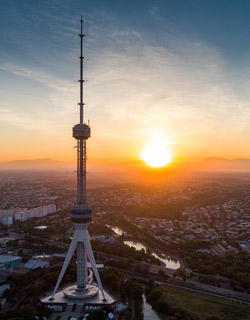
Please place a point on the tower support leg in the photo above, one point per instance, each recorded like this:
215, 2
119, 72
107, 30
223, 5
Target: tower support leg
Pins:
67, 260
92, 261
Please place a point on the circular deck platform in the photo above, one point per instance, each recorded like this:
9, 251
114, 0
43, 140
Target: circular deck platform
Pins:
74, 293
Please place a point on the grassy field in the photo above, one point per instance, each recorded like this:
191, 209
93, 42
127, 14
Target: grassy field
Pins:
204, 306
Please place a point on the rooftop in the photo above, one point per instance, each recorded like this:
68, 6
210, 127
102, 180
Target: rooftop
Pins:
6, 258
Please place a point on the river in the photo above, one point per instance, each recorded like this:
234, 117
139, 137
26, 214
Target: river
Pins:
149, 313
117, 230
169, 262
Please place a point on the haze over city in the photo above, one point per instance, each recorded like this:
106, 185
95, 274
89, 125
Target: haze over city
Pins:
172, 72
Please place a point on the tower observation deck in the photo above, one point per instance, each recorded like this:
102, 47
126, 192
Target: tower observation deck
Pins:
81, 215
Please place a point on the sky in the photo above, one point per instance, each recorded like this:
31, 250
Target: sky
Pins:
175, 71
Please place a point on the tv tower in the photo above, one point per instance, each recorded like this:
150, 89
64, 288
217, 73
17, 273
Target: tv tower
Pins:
81, 215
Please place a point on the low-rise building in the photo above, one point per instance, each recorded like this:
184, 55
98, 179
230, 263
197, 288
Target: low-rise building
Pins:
219, 249
8, 262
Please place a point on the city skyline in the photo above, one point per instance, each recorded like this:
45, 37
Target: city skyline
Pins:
172, 71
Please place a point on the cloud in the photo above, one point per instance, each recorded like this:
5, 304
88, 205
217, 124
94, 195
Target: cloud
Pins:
48, 110
137, 85
182, 89
37, 75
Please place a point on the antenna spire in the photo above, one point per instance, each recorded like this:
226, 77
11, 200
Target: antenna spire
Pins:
81, 35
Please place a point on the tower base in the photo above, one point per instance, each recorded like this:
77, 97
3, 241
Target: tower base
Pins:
62, 301
74, 293
81, 238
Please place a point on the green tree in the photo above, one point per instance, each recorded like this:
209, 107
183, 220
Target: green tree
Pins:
191, 274
162, 273
180, 273
27, 312
218, 268
97, 315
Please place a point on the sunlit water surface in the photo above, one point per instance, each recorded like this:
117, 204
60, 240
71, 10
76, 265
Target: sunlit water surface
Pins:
169, 262
149, 313
117, 230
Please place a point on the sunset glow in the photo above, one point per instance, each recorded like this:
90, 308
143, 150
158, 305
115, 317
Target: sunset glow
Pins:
156, 155
185, 81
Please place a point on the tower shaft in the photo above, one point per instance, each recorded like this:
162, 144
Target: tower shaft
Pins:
81, 171
82, 276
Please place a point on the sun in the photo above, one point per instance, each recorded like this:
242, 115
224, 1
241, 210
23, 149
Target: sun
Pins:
156, 155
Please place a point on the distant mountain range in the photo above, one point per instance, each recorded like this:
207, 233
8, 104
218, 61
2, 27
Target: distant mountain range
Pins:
208, 164
36, 164
220, 164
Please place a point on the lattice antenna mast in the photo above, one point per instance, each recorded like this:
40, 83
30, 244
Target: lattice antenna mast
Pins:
81, 77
